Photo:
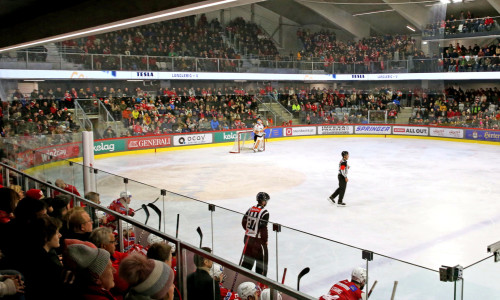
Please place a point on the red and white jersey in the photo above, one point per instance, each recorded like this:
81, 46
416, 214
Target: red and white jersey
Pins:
258, 129
343, 290
118, 207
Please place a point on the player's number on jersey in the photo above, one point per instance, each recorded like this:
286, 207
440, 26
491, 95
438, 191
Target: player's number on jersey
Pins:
251, 222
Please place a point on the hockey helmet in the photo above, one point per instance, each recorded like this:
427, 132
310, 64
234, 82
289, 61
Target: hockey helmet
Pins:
216, 270
263, 196
359, 275
125, 194
153, 239
247, 289
266, 295
344, 153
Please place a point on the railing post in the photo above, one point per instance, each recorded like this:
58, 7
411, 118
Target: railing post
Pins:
92, 61
147, 62
121, 62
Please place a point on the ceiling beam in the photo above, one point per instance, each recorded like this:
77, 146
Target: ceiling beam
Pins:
339, 17
495, 4
414, 13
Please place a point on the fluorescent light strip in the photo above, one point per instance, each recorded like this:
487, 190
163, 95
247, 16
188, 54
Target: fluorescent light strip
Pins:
69, 36
373, 12
411, 28
30, 80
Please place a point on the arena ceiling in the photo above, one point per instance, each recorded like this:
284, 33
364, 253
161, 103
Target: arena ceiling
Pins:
28, 21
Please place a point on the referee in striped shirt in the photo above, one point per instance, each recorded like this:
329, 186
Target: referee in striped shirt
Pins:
343, 168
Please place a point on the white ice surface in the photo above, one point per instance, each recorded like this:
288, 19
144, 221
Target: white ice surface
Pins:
428, 202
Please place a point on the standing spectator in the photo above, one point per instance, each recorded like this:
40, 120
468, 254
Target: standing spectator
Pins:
67, 187
343, 169
346, 289
200, 285
148, 278
256, 235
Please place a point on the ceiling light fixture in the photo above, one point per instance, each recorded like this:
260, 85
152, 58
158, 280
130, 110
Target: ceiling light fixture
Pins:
120, 24
373, 12
411, 28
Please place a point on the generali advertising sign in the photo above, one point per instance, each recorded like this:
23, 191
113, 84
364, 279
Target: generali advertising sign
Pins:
153, 142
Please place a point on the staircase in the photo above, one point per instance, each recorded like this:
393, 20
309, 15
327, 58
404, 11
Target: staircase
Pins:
270, 106
404, 115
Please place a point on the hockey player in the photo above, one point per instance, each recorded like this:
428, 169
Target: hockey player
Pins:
258, 137
343, 168
255, 224
120, 205
248, 291
348, 290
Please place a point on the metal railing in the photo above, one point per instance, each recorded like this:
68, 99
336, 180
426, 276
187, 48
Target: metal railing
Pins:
183, 248
306, 65
82, 118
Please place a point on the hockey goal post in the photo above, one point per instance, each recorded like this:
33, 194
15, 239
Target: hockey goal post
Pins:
244, 141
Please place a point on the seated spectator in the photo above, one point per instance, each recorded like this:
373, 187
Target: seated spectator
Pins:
96, 220
60, 206
8, 202
93, 271
104, 238
79, 225
42, 269
148, 278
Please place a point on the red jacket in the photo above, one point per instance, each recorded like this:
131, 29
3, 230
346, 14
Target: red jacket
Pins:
95, 292
118, 207
73, 190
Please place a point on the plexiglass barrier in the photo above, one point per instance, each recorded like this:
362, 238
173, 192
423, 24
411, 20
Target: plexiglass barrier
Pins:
206, 225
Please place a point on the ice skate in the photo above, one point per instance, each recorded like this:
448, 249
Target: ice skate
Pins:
331, 200
341, 204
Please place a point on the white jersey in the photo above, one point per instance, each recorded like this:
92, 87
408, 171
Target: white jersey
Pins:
258, 129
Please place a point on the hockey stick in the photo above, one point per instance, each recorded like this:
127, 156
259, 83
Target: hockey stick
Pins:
394, 290
236, 275
149, 203
283, 279
201, 235
147, 213
301, 274
177, 227
371, 290
158, 211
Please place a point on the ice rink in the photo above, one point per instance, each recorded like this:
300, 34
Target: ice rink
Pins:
428, 202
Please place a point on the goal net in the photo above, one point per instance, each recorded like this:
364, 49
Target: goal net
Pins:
244, 141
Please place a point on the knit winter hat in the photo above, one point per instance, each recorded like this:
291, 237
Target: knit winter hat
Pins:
157, 276
34, 194
85, 257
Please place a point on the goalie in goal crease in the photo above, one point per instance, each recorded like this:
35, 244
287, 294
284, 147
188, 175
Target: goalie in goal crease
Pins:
258, 137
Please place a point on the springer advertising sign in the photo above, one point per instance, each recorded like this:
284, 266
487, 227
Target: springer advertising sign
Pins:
372, 129
335, 129
194, 139
296, 131
410, 130
153, 142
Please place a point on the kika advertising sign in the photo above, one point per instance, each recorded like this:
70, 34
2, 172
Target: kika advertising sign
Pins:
373, 129
296, 131
410, 130
194, 139
447, 132
334, 129
153, 142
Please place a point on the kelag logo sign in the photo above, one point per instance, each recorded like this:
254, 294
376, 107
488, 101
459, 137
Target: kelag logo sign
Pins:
101, 147
225, 136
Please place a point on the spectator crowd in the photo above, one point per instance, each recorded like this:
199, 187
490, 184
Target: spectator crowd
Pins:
466, 23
